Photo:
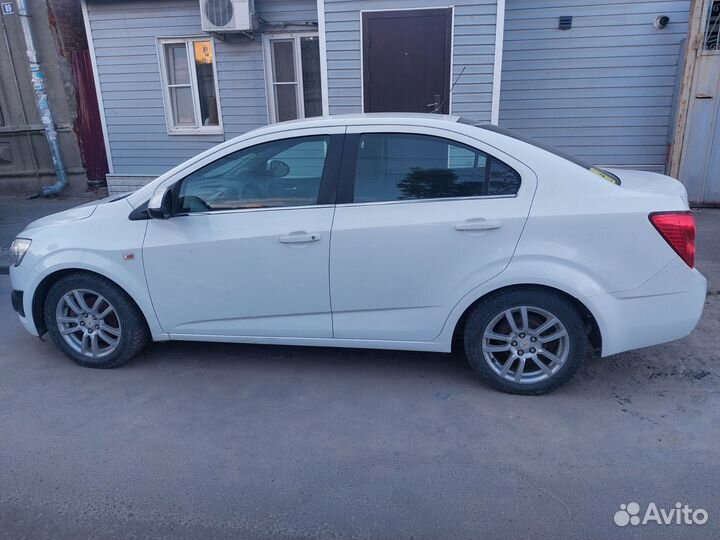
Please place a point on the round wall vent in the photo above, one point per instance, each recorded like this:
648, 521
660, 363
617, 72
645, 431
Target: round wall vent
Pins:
219, 12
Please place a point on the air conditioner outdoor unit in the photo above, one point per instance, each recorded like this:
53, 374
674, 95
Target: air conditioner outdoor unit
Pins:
227, 15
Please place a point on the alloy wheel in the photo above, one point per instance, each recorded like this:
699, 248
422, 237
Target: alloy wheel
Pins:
525, 344
88, 323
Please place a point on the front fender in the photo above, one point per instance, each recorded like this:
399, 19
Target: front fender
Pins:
112, 249
128, 276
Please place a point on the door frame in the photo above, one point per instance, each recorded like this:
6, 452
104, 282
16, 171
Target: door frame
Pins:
693, 55
362, 47
689, 56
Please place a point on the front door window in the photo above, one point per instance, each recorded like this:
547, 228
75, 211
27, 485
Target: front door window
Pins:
280, 173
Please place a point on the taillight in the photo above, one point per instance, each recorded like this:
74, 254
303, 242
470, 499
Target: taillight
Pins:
678, 230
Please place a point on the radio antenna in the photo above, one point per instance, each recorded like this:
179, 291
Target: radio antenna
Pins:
439, 107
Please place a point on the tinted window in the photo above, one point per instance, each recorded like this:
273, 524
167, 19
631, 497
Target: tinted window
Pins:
503, 179
394, 167
278, 173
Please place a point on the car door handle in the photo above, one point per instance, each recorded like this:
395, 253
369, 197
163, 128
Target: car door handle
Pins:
299, 238
478, 225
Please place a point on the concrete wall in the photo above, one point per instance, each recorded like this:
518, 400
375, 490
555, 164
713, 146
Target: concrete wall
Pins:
25, 162
602, 90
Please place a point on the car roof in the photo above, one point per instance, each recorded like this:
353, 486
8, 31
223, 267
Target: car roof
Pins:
361, 119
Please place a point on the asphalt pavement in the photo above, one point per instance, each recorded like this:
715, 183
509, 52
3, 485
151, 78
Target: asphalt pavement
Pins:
253, 442
248, 442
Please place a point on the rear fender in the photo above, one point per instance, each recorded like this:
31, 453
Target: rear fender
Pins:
559, 274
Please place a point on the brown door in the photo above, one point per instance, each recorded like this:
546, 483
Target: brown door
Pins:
88, 125
406, 60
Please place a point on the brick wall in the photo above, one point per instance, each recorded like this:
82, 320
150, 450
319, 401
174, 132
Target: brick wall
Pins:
119, 183
66, 20
66, 16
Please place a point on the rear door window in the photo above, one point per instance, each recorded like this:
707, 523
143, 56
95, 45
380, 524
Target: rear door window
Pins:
396, 166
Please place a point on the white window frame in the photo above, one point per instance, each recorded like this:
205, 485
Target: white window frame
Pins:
269, 82
705, 24
172, 129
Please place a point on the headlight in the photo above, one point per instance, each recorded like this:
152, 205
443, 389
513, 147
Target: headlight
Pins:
19, 248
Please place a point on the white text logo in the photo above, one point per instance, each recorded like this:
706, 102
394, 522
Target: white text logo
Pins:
680, 514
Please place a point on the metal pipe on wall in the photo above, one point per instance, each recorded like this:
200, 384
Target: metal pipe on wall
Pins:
41, 99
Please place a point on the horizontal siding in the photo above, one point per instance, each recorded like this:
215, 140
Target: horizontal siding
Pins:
124, 36
287, 11
602, 90
473, 49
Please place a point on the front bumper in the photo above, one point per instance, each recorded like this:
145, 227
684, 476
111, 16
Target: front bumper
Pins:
665, 308
16, 297
24, 281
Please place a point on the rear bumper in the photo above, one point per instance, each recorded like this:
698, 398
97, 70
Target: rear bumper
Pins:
665, 308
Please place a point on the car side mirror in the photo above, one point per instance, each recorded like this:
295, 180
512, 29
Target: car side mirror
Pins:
160, 204
277, 168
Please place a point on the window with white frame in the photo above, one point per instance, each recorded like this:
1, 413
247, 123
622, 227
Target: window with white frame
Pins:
712, 27
190, 85
292, 68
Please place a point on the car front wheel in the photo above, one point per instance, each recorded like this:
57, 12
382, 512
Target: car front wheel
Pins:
93, 321
525, 341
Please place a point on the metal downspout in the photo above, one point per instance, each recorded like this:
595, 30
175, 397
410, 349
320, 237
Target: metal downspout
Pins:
41, 100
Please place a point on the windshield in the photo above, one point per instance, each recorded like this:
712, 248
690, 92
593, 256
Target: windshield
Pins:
548, 148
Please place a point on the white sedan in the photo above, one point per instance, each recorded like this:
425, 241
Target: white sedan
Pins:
415, 232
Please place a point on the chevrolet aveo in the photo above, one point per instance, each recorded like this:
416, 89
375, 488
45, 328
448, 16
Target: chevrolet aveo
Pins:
410, 232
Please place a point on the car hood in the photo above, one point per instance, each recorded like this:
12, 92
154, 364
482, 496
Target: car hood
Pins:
83, 211
74, 214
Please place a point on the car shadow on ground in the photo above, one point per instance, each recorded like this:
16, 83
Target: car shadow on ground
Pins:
692, 360
691, 363
313, 361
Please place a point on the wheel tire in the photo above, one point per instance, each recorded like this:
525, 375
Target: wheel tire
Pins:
134, 333
575, 348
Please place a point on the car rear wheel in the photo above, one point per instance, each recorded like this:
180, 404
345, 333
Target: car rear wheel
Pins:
93, 321
525, 341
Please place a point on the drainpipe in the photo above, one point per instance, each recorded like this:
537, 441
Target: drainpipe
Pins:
41, 99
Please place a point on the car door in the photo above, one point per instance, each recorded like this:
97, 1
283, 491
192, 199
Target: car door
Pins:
423, 218
246, 251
